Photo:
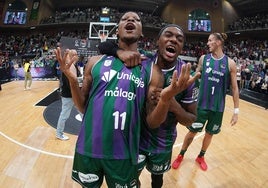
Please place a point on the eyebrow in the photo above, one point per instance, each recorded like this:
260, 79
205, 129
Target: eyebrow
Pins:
177, 34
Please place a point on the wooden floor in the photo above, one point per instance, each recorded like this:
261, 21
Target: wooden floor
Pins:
31, 156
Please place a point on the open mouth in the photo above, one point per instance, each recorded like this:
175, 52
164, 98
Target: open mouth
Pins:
171, 49
130, 26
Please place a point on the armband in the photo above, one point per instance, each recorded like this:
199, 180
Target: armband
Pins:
236, 111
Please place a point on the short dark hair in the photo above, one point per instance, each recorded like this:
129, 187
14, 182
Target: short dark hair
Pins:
170, 25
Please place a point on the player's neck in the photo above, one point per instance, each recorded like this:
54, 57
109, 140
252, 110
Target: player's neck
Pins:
128, 46
218, 54
163, 64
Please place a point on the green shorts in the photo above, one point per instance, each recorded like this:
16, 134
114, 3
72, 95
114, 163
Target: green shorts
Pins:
155, 163
89, 172
212, 121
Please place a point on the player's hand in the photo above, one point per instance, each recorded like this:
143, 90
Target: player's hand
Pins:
66, 61
130, 58
234, 119
181, 82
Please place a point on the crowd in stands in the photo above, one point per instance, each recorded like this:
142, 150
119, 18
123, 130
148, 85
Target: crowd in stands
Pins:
87, 15
250, 55
259, 21
252, 75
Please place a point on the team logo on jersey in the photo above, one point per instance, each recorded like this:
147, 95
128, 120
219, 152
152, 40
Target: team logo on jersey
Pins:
208, 70
207, 62
223, 66
87, 177
107, 62
107, 76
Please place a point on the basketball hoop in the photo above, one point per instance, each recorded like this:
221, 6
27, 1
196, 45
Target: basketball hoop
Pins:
103, 37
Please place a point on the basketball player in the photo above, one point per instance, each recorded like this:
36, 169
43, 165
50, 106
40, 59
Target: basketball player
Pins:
112, 99
156, 144
217, 72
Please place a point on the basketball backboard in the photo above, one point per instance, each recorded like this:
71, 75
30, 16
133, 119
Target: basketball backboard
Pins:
102, 30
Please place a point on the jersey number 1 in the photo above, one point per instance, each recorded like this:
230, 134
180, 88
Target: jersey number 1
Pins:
213, 89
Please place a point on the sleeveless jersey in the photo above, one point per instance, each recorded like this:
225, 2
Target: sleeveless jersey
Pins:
111, 124
161, 140
215, 79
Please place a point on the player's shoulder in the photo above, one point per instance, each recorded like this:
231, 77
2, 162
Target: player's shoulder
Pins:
230, 60
95, 58
181, 61
92, 60
231, 63
202, 57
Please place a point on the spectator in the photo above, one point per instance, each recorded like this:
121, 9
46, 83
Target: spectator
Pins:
27, 75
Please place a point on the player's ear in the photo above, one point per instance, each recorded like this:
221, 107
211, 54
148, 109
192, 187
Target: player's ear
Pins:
142, 35
116, 32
